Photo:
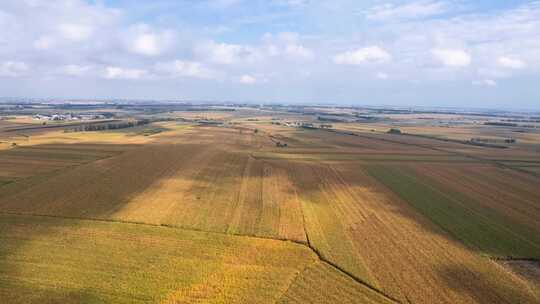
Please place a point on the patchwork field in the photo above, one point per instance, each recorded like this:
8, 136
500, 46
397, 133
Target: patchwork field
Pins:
221, 214
381, 239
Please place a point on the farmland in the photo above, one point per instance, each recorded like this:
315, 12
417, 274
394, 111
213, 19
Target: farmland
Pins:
212, 209
132, 263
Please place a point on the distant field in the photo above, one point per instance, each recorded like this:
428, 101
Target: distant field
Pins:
25, 161
200, 213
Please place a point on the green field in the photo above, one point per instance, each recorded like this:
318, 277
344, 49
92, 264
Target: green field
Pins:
465, 219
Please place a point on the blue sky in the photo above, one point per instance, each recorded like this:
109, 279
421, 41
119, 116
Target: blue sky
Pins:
419, 52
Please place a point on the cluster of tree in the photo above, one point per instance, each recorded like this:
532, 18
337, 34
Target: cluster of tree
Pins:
111, 126
394, 131
535, 119
307, 125
501, 124
322, 118
490, 140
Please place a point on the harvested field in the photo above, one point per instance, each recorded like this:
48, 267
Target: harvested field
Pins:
408, 220
41, 258
356, 223
186, 185
321, 283
27, 161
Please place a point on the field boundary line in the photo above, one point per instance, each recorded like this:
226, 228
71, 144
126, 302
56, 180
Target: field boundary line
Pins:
117, 221
352, 276
321, 258
514, 259
294, 280
338, 268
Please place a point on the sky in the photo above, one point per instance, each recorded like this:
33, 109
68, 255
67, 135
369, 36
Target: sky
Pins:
480, 54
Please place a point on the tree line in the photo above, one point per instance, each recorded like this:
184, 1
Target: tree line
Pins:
110, 126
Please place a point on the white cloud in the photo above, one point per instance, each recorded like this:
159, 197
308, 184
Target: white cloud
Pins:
75, 32
75, 70
512, 63
417, 9
299, 51
146, 44
382, 76
223, 3
143, 40
372, 54
44, 43
292, 3
485, 83
13, 69
113, 72
286, 44
248, 79
179, 68
494, 44
452, 57
226, 54
222, 53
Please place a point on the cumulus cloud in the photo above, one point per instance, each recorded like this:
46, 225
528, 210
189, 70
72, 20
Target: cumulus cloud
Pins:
485, 83
223, 3
288, 45
180, 68
452, 57
248, 79
75, 70
382, 76
293, 2
44, 43
113, 72
143, 40
512, 63
13, 69
83, 38
146, 44
75, 32
371, 54
416, 9
224, 53
299, 51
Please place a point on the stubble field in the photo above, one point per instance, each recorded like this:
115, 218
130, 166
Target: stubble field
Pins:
220, 214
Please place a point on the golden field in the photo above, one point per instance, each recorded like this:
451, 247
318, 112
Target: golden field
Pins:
220, 214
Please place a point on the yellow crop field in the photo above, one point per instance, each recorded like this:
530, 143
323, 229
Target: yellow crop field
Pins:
269, 152
331, 218
186, 185
41, 262
377, 232
321, 283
